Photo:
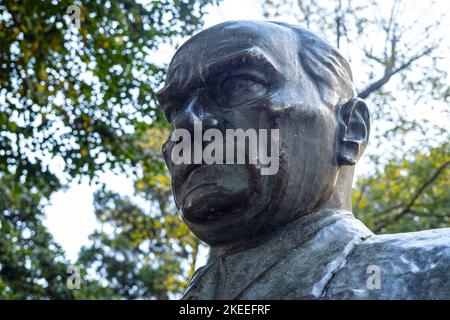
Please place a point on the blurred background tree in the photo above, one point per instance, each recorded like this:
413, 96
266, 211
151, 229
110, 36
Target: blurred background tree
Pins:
142, 250
85, 98
409, 193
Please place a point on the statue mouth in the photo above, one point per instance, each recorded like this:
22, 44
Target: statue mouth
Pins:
183, 172
207, 193
190, 170
211, 203
199, 176
194, 203
187, 182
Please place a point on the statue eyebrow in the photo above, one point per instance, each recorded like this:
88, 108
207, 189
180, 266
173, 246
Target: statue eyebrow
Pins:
186, 77
253, 56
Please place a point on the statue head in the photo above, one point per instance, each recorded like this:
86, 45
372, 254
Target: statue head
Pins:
263, 75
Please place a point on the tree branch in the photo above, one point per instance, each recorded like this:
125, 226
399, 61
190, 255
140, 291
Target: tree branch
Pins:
375, 86
413, 200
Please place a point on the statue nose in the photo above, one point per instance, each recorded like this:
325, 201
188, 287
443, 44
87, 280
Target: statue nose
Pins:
194, 113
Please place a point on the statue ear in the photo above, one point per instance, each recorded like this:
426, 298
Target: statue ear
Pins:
353, 131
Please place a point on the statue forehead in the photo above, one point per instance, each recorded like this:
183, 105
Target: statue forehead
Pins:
223, 40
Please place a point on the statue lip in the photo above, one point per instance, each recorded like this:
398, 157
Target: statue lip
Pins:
182, 172
204, 217
190, 170
185, 172
195, 188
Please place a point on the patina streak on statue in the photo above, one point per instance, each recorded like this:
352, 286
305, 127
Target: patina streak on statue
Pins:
291, 235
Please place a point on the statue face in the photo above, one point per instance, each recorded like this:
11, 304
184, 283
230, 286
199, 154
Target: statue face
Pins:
248, 76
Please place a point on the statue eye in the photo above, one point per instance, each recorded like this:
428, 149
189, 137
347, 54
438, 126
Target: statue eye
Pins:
172, 109
241, 89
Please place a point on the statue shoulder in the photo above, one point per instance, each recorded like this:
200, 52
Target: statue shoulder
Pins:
411, 265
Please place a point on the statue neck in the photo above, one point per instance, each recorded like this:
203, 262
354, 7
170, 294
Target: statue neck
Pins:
341, 198
304, 227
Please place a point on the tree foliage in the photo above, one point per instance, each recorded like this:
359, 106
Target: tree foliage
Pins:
81, 96
32, 265
143, 250
408, 194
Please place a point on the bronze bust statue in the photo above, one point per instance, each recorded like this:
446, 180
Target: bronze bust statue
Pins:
289, 234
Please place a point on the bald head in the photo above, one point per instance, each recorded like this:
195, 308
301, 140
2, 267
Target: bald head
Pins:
295, 53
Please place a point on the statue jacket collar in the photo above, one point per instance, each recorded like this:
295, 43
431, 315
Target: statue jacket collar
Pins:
295, 262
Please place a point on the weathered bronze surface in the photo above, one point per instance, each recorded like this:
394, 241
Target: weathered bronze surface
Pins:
290, 235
